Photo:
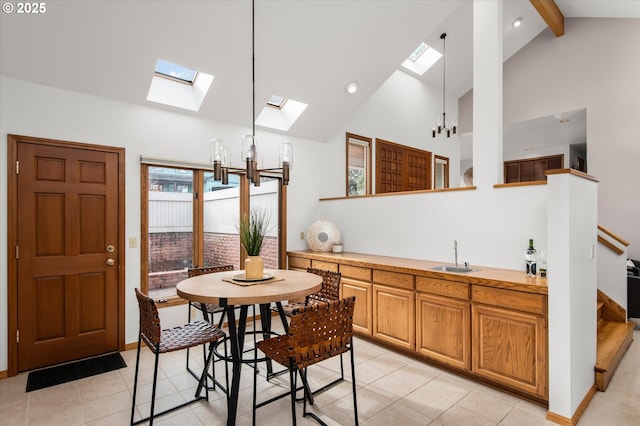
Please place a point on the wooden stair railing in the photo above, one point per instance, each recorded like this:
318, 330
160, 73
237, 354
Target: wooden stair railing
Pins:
614, 337
611, 240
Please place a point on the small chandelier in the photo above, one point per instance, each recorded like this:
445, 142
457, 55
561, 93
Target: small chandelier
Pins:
441, 125
220, 158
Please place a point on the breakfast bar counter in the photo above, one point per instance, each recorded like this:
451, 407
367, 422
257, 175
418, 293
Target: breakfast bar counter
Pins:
489, 324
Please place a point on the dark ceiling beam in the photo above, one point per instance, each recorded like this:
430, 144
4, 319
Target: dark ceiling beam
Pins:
549, 11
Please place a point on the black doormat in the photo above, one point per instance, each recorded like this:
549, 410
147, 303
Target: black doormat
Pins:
64, 373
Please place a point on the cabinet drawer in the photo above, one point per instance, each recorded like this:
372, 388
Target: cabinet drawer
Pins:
511, 299
443, 287
326, 266
393, 279
355, 272
299, 263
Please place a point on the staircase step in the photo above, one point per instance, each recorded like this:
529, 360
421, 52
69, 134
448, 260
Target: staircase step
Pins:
613, 340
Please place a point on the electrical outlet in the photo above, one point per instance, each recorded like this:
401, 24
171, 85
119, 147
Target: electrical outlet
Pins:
302, 235
133, 242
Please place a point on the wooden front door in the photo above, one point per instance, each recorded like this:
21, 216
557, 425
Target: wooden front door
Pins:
67, 252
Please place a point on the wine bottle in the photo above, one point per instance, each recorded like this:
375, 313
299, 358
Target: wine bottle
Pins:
530, 260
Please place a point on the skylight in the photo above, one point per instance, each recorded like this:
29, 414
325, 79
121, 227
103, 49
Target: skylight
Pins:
276, 101
280, 113
421, 59
176, 72
178, 86
419, 51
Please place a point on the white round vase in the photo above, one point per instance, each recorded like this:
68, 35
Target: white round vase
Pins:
322, 235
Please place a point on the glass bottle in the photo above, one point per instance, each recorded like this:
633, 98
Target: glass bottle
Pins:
530, 260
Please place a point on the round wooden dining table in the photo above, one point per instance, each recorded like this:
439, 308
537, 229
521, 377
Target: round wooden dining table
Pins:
220, 288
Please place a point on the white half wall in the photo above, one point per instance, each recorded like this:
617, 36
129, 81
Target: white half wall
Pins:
572, 219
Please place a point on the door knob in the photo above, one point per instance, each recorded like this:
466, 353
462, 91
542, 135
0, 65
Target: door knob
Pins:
111, 262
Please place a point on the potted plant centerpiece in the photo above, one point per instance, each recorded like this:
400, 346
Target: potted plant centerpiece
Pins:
252, 231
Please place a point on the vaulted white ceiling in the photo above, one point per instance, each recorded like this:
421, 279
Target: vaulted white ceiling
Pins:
305, 50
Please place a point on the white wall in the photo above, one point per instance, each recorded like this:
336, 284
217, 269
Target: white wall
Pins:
40, 111
595, 65
573, 274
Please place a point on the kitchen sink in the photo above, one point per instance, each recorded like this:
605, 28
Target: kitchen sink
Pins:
449, 268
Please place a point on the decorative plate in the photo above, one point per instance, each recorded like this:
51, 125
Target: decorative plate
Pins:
244, 279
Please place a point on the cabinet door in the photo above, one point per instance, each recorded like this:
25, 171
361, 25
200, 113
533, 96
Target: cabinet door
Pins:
362, 321
443, 330
510, 347
394, 315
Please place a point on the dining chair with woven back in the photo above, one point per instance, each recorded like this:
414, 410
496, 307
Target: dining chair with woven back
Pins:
162, 341
316, 333
329, 291
209, 310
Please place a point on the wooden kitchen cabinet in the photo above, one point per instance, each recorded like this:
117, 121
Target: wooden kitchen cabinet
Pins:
490, 324
510, 344
443, 322
356, 282
394, 308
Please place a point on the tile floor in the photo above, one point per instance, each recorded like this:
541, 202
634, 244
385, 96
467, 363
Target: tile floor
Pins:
392, 389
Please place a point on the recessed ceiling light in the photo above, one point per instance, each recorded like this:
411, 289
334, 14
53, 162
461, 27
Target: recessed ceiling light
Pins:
351, 87
517, 22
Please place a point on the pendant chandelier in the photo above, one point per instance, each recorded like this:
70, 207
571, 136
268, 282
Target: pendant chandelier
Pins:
220, 157
441, 125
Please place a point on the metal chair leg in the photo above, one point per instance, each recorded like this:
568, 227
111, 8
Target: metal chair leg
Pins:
294, 385
153, 388
135, 382
353, 384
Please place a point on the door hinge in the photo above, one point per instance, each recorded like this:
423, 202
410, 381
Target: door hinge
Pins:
17, 252
17, 336
195, 195
17, 167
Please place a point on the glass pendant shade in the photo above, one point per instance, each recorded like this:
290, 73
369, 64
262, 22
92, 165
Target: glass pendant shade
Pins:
217, 154
286, 153
286, 160
248, 148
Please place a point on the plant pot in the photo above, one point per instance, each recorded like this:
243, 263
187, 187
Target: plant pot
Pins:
253, 267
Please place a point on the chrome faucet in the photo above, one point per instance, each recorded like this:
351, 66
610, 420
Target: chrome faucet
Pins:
455, 250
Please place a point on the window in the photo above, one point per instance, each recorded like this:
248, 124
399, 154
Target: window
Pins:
440, 172
421, 59
178, 86
280, 113
188, 219
176, 72
170, 230
531, 169
276, 101
358, 165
